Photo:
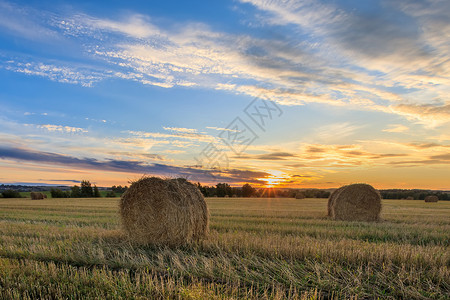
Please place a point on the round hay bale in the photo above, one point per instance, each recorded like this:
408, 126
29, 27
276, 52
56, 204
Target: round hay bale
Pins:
356, 202
410, 198
36, 196
164, 211
431, 199
331, 199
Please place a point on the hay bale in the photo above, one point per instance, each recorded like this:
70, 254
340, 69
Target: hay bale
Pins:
431, 199
299, 195
356, 202
331, 199
36, 196
410, 198
164, 211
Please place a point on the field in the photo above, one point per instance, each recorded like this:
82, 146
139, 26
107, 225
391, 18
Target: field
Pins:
257, 248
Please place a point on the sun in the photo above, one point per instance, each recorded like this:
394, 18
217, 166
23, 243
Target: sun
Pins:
275, 178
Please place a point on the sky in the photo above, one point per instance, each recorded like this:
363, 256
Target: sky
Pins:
300, 94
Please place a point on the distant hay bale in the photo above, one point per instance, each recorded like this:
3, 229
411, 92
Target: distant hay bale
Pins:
299, 195
331, 199
356, 202
37, 196
164, 211
431, 199
410, 198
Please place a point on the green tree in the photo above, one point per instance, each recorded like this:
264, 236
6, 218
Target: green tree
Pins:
75, 192
248, 190
86, 189
96, 192
57, 193
11, 194
223, 189
110, 194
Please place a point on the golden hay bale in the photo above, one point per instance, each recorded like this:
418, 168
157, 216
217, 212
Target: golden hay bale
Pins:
37, 196
331, 199
410, 198
431, 199
164, 211
356, 202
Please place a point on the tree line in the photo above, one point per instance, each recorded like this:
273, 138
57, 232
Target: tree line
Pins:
413, 194
225, 190
85, 190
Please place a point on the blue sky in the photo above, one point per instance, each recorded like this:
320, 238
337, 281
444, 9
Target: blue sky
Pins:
110, 90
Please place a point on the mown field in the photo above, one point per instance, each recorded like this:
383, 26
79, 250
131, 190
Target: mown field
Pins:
257, 248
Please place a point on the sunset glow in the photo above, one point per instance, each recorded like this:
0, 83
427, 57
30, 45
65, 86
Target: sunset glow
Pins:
274, 179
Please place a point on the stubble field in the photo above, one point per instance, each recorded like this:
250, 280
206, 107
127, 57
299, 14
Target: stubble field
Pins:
257, 248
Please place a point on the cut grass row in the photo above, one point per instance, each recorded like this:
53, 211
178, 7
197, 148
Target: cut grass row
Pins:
280, 249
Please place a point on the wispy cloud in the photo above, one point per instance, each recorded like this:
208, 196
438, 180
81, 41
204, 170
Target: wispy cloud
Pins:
431, 115
63, 72
397, 128
279, 67
335, 132
183, 130
221, 129
177, 134
60, 128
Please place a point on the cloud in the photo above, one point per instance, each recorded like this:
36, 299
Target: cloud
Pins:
431, 115
396, 128
139, 167
443, 157
221, 129
332, 55
407, 30
335, 132
183, 130
181, 133
63, 72
24, 23
427, 145
61, 180
60, 128
268, 156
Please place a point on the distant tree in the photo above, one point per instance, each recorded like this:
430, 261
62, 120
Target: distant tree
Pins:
96, 192
11, 194
57, 193
75, 192
322, 194
86, 189
110, 194
248, 190
119, 189
223, 189
236, 191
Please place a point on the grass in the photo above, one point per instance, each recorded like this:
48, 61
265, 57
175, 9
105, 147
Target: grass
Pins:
257, 248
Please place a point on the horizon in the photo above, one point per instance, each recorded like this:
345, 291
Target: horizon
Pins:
282, 94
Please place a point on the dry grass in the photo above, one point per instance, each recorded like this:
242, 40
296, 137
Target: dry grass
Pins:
257, 249
164, 211
355, 202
